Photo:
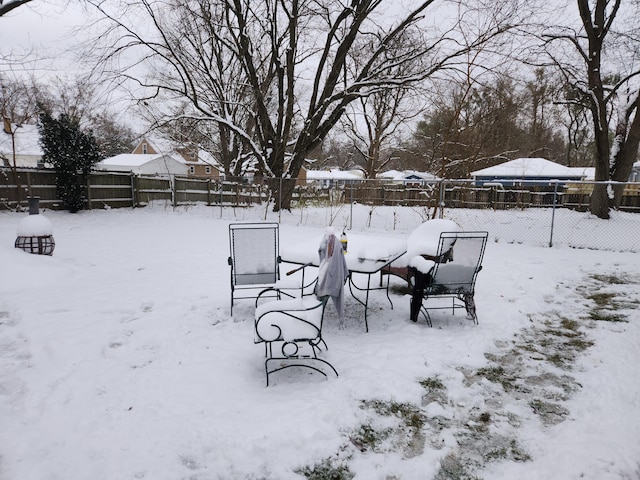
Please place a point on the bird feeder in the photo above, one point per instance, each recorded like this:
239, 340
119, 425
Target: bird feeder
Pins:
35, 232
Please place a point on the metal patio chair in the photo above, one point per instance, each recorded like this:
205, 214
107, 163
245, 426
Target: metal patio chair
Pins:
255, 263
292, 333
451, 273
423, 240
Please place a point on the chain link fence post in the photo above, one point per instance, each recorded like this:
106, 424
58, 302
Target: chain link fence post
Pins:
553, 212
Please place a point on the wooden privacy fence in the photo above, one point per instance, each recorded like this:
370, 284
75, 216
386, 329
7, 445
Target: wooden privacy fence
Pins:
113, 189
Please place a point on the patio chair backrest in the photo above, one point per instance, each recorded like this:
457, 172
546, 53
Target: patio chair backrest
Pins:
254, 253
464, 252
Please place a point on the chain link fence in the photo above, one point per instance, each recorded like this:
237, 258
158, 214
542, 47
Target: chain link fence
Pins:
535, 213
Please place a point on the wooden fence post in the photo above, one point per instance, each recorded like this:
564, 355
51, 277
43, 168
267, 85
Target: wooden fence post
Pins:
89, 191
173, 185
134, 194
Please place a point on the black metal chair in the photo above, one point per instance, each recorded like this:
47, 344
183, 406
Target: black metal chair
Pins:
451, 273
292, 333
255, 262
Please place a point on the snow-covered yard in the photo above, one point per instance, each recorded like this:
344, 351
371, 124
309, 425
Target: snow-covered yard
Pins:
119, 360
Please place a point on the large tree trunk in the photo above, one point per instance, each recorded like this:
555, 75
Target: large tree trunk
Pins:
628, 137
282, 191
599, 203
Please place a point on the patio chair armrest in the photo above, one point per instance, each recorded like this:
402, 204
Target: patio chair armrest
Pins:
421, 264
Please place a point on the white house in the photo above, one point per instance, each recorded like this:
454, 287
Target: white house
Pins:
23, 141
199, 163
145, 164
526, 171
408, 177
332, 177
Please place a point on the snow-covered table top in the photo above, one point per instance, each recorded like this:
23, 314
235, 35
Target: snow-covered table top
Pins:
365, 253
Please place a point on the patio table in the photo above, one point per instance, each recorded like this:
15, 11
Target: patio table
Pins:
366, 256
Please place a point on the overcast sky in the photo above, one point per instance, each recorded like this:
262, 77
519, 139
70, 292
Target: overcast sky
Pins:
44, 27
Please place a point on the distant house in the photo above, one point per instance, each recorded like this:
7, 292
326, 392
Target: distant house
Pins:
199, 163
526, 171
635, 173
588, 173
333, 177
24, 142
145, 164
408, 177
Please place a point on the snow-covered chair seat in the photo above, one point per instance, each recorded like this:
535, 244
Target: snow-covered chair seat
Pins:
292, 333
424, 240
451, 272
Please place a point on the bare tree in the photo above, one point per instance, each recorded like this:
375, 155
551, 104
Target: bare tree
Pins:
372, 123
18, 99
292, 62
606, 77
7, 5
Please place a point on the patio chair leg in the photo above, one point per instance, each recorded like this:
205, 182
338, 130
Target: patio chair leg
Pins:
427, 317
470, 307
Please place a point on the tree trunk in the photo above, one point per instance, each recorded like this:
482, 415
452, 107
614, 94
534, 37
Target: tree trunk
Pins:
282, 190
627, 153
599, 203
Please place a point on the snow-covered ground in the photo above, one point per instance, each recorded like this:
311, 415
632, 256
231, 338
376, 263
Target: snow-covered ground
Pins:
119, 360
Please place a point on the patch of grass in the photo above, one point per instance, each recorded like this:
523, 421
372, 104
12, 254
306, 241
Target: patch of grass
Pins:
498, 375
528, 347
602, 299
432, 384
326, 470
452, 468
579, 344
561, 333
559, 360
550, 413
368, 438
610, 279
604, 316
569, 324
409, 414
485, 417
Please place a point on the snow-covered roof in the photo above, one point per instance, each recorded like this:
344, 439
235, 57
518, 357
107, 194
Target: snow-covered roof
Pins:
27, 140
586, 173
136, 160
161, 145
407, 175
528, 167
333, 174
205, 158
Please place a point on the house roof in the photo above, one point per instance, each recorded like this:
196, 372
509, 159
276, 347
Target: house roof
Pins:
333, 174
407, 175
162, 145
137, 160
528, 167
27, 140
586, 173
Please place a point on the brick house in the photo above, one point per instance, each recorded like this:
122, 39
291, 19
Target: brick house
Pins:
199, 163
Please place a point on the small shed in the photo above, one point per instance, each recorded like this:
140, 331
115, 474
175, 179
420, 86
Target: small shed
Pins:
145, 164
526, 171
